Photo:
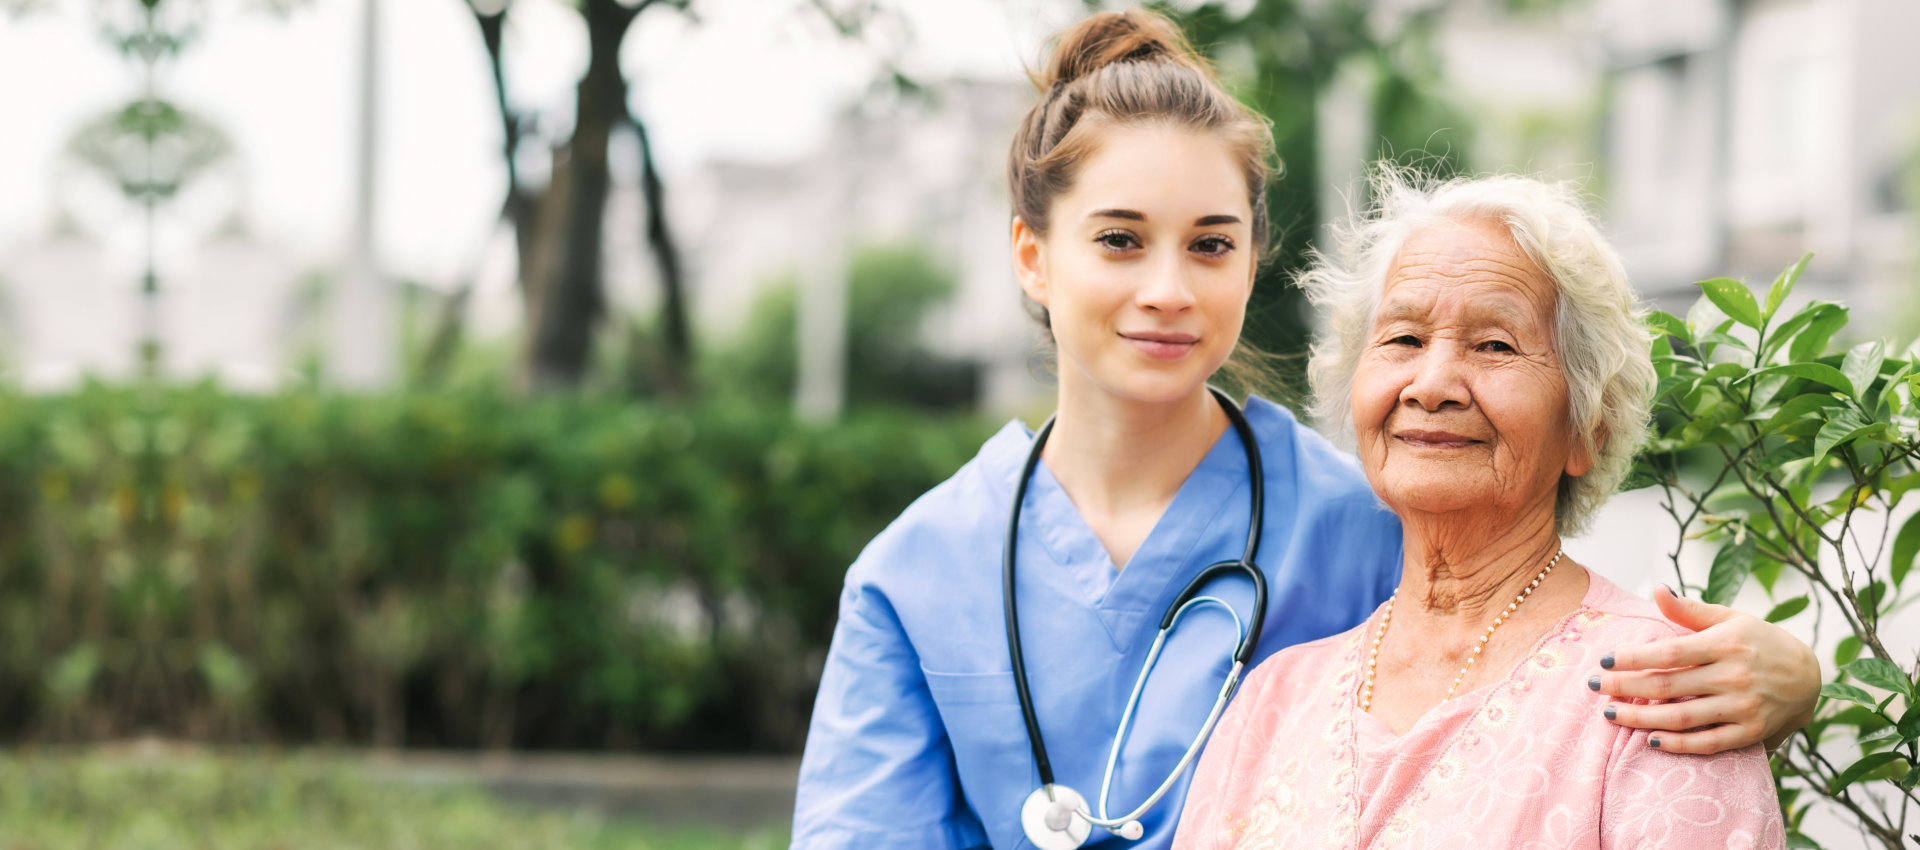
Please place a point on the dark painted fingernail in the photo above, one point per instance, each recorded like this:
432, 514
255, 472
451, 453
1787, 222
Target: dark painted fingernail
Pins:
1655, 742
1606, 661
1670, 591
1609, 712
1593, 684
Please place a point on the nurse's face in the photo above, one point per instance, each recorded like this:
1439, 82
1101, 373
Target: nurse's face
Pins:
1147, 265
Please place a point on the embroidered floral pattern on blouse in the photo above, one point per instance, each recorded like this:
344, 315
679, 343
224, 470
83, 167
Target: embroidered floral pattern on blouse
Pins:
1527, 762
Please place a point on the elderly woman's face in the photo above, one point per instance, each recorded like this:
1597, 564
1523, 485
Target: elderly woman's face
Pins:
1459, 401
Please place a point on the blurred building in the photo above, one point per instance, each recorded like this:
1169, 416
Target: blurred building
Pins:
65, 314
924, 171
231, 312
1742, 134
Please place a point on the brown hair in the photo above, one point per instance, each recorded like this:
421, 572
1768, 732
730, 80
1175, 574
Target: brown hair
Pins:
1117, 69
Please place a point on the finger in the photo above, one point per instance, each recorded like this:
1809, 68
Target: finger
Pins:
1668, 684
1666, 653
1681, 716
1705, 742
1690, 613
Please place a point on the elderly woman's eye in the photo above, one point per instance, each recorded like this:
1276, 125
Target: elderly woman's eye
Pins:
1496, 345
1405, 339
1117, 240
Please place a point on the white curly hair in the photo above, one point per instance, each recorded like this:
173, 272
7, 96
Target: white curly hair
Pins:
1599, 331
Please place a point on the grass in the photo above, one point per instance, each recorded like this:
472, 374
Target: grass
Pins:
255, 802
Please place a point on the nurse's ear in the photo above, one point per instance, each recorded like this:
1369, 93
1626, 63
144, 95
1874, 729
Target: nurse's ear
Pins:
1028, 263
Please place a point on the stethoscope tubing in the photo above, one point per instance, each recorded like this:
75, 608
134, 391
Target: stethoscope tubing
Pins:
1133, 702
1243, 653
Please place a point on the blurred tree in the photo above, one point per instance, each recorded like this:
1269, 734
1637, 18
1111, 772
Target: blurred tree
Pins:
559, 229
1282, 57
890, 290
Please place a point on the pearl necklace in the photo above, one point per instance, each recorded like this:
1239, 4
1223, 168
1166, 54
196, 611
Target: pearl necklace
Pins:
1386, 616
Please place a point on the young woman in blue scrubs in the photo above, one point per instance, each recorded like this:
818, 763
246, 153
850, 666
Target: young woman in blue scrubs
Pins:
1138, 191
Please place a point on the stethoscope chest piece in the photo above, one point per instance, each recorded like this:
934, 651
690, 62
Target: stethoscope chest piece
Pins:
1052, 820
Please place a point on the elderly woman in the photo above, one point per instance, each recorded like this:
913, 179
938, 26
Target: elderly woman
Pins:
1485, 351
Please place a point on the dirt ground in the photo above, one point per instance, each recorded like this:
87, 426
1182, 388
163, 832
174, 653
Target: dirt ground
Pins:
737, 791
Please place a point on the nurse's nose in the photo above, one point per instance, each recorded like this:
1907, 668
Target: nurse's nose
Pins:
1168, 287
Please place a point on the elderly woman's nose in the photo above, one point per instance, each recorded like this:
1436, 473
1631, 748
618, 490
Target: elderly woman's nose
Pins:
1438, 378
1168, 287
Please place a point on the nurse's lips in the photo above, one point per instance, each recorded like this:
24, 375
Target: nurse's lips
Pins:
1160, 345
1434, 439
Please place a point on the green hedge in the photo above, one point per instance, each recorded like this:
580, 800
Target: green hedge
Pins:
471, 569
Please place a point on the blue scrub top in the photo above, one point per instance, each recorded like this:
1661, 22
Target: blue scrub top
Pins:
917, 739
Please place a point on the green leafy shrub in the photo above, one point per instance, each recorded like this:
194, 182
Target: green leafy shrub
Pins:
1794, 458
453, 569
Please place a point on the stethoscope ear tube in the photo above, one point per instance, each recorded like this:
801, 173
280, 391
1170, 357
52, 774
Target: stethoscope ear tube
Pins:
1038, 746
1249, 638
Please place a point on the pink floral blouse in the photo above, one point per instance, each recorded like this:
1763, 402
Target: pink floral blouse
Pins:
1528, 762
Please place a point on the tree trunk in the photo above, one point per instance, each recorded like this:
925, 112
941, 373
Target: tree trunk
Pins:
677, 377
572, 303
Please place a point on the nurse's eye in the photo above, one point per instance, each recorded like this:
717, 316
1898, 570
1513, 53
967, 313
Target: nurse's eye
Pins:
1212, 247
1116, 241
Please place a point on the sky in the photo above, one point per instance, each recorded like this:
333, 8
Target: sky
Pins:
747, 79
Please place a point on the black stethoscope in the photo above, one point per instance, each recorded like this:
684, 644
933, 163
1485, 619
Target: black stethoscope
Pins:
1054, 816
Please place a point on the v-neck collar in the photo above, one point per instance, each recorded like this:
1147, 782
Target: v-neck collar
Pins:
1211, 497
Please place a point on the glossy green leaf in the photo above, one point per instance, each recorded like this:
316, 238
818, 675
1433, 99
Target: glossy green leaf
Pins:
1873, 597
1909, 726
1846, 651
1882, 674
1896, 386
1843, 426
1862, 366
1734, 299
1801, 406
1723, 371
1825, 320
1731, 565
1783, 333
1713, 340
1786, 610
1783, 285
1668, 324
1681, 384
1765, 388
1766, 571
1820, 372
1861, 768
1878, 735
1905, 545
1844, 691
1663, 357
1709, 419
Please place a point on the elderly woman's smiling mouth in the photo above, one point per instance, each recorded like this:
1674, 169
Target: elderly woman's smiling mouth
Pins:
1427, 438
